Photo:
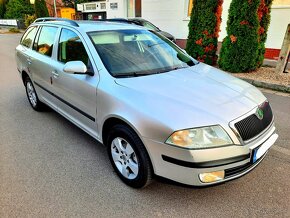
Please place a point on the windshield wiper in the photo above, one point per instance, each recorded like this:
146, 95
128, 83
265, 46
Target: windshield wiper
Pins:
131, 74
177, 68
136, 74
171, 69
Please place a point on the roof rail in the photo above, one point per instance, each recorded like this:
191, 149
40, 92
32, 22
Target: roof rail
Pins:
43, 19
120, 20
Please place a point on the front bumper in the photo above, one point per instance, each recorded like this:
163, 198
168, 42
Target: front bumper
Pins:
184, 166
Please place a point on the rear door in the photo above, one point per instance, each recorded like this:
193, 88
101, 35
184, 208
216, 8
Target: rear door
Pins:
23, 51
77, 94
42, 62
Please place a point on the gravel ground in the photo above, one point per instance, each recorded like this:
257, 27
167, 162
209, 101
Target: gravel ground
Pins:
266, 74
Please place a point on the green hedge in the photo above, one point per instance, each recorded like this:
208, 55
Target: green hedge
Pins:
204, 27
244, 47
240, 47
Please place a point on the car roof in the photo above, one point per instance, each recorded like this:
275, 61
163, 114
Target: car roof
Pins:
90, 26
104, 25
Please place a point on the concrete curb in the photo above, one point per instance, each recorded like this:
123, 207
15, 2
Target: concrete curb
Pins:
276, 87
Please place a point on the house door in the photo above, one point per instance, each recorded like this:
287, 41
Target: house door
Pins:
133, 8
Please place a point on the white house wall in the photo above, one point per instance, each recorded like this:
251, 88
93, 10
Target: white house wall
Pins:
280, 18
225, 14
168, 15
120, 12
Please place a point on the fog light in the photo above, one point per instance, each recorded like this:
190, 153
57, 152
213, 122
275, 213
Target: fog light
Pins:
212, 177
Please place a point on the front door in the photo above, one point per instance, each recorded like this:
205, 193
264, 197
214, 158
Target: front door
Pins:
77, 93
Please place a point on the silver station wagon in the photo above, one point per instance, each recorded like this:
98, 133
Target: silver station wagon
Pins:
158, 111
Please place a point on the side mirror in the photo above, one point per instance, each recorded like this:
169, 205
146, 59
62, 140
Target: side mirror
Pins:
75, 67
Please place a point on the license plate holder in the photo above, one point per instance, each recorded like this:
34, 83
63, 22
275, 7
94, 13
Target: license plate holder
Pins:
258, 152
254, 155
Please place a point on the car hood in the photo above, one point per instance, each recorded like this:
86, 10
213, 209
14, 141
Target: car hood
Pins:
196, 93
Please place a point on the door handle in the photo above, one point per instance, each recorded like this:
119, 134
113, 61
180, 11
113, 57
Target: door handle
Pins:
55, 74
29, 61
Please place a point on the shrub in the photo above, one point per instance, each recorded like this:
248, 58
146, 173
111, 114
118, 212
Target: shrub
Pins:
264, 21
204, 27
14, 30
29, 19
240, 47
40, 8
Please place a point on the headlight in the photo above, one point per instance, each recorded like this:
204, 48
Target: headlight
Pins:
199, 138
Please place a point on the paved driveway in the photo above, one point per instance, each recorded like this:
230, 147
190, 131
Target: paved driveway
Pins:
50, 168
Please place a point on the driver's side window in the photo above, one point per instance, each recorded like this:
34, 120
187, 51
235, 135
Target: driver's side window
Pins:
71, 48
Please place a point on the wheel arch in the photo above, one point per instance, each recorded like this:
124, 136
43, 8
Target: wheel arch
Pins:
24, 75
112, 121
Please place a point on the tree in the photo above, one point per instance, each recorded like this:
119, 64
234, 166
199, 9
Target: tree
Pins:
17, 9
204, 27
68, 3
239, 50
264, 17
40, 8
2, 8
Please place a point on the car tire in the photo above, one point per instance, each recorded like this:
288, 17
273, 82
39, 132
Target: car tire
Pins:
32, 95
129, 157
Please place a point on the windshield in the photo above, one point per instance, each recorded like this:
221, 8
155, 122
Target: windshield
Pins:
127, 53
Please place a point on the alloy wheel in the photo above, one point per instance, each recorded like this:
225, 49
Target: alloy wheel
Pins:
124, 158
31, 94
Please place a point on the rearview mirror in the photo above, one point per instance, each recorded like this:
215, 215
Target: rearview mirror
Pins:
75, 67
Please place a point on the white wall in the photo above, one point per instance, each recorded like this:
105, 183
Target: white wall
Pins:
280, 18
171, 16
121, 12
225, 14
168, 15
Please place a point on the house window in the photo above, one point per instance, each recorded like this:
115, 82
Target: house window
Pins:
138, 8
134, 8
130, 8
91, 7
103, 6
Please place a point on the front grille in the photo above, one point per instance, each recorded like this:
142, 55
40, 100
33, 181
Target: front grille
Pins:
252, 125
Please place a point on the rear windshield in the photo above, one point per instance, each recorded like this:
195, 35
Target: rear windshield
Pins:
127, 53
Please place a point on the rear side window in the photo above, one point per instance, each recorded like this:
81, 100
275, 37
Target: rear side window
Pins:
71, 48
45, 40
28, 36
